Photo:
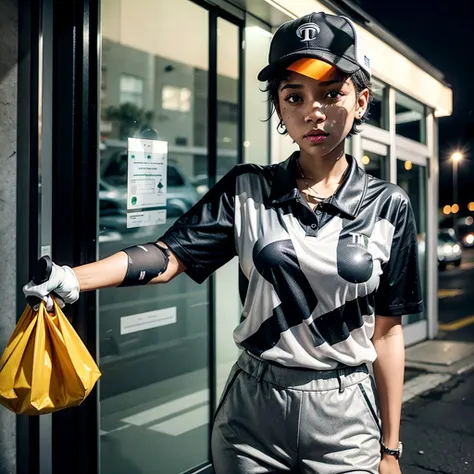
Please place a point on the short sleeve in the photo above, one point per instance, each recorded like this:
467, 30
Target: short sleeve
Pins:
399, 291
203, 238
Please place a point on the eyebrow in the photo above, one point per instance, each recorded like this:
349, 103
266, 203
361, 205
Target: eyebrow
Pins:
322, 84
292, 86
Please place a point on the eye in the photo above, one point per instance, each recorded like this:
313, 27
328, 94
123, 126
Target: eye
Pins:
334, 95
293, 98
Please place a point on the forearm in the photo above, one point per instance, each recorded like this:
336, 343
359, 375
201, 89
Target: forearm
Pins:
389, 369
105, 273
110, 272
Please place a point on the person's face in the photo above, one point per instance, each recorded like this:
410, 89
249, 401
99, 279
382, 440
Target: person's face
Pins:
318, 115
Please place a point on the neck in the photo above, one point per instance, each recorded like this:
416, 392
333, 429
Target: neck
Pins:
326, 169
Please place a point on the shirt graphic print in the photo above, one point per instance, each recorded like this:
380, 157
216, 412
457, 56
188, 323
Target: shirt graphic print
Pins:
310, 282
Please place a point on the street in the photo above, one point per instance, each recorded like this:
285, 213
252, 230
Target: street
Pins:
438, 425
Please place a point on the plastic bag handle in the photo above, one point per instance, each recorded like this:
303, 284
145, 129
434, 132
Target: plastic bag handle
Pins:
41, 273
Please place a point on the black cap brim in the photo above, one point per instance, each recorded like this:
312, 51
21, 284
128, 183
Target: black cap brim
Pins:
341, 63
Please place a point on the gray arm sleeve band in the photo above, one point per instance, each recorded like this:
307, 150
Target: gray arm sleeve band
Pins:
145, 262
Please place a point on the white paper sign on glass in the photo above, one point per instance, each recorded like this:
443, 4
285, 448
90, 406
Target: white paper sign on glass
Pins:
147, 161
148, 320
144, 218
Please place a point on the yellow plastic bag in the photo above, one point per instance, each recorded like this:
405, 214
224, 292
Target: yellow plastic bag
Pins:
45, 366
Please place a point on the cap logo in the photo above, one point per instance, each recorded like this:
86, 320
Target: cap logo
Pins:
308, 31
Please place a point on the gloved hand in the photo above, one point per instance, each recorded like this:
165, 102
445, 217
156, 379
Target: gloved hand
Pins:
62, 281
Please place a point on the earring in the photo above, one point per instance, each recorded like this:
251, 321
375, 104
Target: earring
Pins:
281, 128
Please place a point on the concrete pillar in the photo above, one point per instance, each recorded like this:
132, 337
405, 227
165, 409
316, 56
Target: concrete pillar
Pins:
8, 191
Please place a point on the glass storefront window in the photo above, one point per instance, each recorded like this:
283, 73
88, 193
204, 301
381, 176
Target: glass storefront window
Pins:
155, 389
131, 90
378, 116
226, 295
410, 118
412, 179
257, 108
228, 48
375, 159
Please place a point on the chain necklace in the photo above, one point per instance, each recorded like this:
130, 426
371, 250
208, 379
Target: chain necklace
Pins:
312, 196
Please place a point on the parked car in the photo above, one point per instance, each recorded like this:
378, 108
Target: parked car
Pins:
181, 194
449, 250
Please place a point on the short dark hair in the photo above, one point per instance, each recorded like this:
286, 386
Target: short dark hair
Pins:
360, 80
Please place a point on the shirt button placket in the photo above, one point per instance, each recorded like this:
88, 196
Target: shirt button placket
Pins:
314, 230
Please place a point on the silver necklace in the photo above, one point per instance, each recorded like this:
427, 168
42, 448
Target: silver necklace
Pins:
316, 198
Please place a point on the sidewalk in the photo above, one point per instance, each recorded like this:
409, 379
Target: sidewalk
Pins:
438, 410
437, 429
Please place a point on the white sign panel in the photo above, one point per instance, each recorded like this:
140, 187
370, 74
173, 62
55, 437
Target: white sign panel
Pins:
140, 219
149, 320
147, 160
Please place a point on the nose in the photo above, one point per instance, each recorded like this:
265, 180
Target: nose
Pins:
316, 114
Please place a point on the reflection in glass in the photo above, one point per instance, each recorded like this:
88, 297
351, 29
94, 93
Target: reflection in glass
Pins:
375, 164
378, 114
131, 90
176, 98
410, 118
257, 108
227, 307
155, 387
412, 179
227, 97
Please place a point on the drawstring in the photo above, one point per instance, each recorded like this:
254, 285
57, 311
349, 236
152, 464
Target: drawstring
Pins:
339, 379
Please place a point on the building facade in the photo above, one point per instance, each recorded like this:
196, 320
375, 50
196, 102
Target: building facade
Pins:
78, 80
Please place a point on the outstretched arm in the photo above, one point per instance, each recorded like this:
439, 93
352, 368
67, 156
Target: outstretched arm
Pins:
137, 265
111, 271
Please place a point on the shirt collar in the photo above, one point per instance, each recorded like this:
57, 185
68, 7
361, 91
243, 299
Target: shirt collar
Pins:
347, 199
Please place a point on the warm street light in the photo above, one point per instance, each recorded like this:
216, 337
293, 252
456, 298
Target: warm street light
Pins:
454, 208
447, 210
456, 157
470, 206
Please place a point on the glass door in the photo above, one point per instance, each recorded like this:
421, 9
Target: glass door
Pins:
412, 178
170, 70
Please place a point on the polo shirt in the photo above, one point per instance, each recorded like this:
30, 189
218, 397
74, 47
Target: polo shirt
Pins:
310, 282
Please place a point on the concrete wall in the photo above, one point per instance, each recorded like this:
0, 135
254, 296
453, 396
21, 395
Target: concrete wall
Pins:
8, 170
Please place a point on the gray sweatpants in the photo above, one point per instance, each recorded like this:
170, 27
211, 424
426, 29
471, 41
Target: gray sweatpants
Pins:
274, 419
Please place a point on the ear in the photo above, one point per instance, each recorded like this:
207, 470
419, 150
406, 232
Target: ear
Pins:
362, 103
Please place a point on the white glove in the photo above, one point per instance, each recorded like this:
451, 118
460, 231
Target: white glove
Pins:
62, 281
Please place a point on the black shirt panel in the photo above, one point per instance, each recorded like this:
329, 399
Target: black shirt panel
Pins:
399, 290
203, 237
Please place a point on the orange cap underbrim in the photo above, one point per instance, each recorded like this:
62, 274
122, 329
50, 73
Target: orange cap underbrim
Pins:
313, 68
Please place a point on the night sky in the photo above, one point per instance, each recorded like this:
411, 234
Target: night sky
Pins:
442, 32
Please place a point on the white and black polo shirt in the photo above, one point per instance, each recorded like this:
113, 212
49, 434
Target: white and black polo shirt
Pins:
310, 282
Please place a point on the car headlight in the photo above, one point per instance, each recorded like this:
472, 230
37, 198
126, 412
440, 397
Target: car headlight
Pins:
202, 189
456, 248
448, 249
469, 239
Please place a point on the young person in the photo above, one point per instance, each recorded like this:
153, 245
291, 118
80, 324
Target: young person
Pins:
328, 265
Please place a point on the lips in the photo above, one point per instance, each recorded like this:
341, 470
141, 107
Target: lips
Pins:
316, 133
316, 136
